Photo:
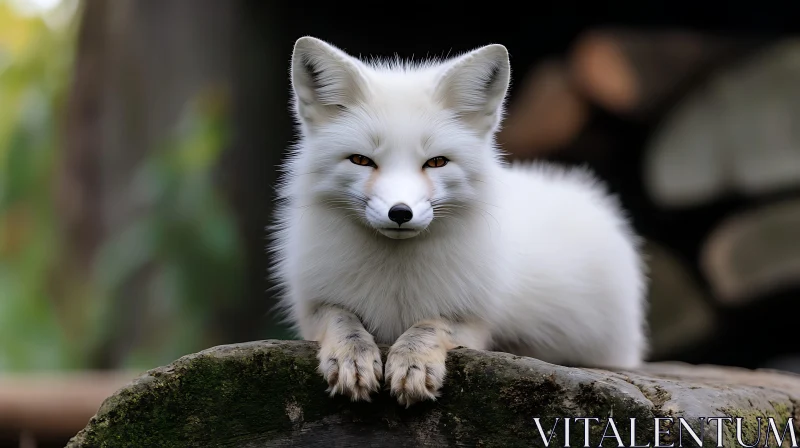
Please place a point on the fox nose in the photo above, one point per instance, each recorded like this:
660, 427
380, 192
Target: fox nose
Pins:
400, 213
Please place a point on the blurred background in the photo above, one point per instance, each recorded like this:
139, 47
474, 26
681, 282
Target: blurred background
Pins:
139, 143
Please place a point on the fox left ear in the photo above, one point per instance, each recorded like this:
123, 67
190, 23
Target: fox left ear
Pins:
325, 80
475, 85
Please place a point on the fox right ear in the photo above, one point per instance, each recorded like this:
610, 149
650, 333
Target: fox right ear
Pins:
325, 80
474, 86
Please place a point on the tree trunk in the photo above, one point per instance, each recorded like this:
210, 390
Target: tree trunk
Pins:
138, 64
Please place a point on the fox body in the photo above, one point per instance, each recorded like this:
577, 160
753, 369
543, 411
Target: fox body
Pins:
400, 224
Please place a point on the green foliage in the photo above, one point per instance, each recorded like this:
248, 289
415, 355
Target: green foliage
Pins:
34, 68
187, 242
184, 245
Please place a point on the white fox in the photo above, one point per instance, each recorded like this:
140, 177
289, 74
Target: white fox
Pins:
398, 223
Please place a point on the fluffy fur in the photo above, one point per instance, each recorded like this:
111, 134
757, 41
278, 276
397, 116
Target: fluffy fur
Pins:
531, 259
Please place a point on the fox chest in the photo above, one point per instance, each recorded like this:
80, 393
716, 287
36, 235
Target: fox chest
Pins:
390, 294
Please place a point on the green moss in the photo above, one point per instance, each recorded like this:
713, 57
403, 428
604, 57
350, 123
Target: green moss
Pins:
751, 429
507, 397
206, 397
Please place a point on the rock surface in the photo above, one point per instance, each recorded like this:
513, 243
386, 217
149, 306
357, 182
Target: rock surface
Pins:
268, 393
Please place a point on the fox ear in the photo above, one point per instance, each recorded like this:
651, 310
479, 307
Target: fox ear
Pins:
325, 80
474, 86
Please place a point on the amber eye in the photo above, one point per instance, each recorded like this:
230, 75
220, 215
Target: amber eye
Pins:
358, 159
436, 162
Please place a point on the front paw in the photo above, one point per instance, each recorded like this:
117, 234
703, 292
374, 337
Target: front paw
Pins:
352, 367
414, 375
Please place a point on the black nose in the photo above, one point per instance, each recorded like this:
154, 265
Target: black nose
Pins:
400, 213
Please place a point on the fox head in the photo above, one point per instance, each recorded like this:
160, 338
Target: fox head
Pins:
397, 146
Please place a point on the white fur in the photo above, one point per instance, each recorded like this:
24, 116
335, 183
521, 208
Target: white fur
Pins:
539, 256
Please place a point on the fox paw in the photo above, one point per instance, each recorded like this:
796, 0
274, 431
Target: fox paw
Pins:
352, 367
414, 376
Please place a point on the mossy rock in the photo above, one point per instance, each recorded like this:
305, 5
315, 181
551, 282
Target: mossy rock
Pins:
268, 393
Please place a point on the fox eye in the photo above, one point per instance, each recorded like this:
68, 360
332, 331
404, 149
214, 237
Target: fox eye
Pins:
436, 162
360, 160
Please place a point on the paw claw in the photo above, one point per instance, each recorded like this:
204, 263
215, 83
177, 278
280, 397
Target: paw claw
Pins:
414, 377
352, 368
